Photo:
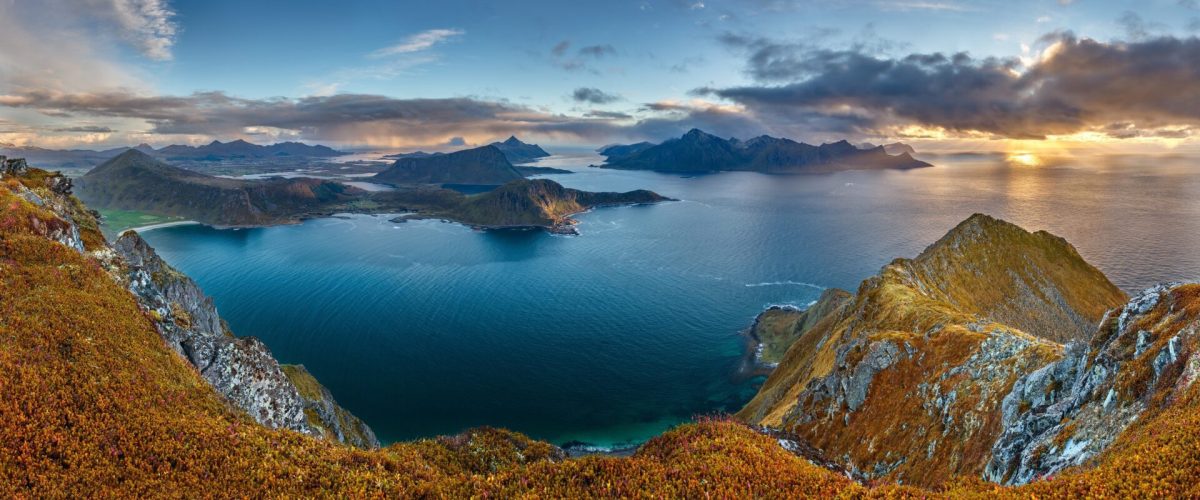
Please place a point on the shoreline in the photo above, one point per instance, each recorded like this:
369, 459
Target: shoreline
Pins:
161, 225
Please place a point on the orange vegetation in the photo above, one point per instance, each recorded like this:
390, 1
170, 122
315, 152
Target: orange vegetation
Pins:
94, 404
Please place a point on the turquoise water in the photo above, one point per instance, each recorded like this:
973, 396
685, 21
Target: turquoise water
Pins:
425, 328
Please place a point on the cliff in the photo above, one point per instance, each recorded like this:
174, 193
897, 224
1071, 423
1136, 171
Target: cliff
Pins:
240, 369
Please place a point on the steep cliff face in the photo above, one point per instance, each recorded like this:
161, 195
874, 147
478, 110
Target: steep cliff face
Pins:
906, 380
241, 369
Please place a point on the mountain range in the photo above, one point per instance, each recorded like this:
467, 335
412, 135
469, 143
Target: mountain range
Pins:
214, 151
134, 180
945, 375
697, 151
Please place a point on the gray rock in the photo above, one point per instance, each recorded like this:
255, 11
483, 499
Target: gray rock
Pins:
241, 369
1071, 410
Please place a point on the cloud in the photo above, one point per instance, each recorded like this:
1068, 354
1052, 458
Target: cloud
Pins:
415, 43
580, 59
82, 44
594, 96
1076, 84
597, 51
341, 118
560, 48
148, 24
614, 115
86, 128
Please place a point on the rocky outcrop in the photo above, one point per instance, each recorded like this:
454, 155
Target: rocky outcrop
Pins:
1069, 411
777, 328
325, 415
908, 378
14, 167
239, 368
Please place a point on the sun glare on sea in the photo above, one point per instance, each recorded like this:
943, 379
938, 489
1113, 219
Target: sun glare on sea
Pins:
1024, 159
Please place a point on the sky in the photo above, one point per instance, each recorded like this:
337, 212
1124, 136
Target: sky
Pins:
951, 75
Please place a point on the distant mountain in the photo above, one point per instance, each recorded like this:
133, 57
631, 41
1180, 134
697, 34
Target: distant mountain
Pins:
894, 148
59, 158
214, 151
217, 150
520, 152
134, 180
486, 165
698, 151
616, 152
414, 154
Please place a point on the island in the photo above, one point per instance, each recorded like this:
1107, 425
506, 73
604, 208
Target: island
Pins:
698, 151
136, 181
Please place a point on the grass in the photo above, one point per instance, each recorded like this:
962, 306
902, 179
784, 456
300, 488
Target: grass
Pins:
114, 222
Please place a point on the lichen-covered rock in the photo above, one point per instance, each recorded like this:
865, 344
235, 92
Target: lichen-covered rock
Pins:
1071, 410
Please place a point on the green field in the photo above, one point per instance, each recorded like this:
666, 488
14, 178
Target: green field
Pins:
115, 221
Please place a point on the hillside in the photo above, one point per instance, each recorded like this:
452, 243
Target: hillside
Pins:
698, 151
134, 180
98, 405
519, 152
908, 380
480, 166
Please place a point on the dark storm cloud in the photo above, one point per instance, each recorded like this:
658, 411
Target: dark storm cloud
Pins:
86, 128
594, 96
1081, 84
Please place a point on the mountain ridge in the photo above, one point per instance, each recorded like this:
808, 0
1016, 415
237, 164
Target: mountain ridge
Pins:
697, 151
485, 165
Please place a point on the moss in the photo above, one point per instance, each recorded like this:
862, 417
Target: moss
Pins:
308, 385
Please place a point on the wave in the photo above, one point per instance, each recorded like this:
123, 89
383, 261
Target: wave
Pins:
786, 283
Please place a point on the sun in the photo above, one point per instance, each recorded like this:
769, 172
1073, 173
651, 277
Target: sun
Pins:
1024, 159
